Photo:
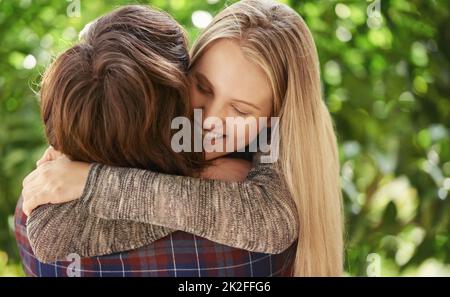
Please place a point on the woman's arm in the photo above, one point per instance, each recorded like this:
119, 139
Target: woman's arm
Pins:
257, 214
57, 230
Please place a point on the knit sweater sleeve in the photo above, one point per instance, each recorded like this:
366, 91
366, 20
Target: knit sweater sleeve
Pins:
257, 214
55, 231
123, 209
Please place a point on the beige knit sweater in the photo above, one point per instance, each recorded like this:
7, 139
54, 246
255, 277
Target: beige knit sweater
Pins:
124, 208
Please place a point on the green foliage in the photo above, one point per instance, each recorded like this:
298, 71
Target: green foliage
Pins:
385, 80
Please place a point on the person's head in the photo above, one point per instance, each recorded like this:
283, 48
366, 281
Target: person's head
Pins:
260, 52
226, 84
111, 97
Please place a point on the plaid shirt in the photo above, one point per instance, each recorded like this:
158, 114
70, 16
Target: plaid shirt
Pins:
179, 254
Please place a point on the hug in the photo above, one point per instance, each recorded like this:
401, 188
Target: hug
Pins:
111, 196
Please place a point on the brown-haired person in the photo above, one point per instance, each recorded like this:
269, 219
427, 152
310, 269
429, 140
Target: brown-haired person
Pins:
109, 101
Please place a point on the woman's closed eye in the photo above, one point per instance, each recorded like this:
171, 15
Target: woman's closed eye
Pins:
203, 89
240, 111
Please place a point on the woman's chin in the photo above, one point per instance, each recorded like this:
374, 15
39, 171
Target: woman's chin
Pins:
214, 155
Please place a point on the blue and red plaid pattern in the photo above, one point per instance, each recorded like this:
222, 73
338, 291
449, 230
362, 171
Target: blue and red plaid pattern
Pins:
180, 254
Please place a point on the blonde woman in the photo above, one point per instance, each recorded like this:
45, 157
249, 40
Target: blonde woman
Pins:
256, 59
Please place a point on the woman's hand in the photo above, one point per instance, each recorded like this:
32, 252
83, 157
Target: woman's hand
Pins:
57, 179
49, 155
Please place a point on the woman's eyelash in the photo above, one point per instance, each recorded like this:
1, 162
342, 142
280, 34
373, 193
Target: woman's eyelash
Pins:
205, 91
240, 112
202, 89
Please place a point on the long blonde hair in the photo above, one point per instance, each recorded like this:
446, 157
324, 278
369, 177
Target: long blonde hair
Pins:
275, 37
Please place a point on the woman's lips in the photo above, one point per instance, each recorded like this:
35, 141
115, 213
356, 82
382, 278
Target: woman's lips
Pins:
209, 135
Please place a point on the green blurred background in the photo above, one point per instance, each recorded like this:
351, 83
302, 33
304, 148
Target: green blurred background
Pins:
385, 70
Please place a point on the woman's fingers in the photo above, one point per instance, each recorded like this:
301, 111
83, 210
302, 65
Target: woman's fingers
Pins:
45, 157
33, 197
35, 188
29, 177
57, 181
50, 154
33, 174
28, 205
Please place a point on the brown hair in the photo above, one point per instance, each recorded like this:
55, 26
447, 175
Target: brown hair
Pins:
111, 98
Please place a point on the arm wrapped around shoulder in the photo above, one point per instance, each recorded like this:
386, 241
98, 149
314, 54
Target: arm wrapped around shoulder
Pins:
57, 230
257, 214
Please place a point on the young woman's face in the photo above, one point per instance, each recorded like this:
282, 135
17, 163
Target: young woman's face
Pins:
224, 83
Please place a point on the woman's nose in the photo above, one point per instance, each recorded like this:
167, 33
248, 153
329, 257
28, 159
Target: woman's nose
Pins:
215, 114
